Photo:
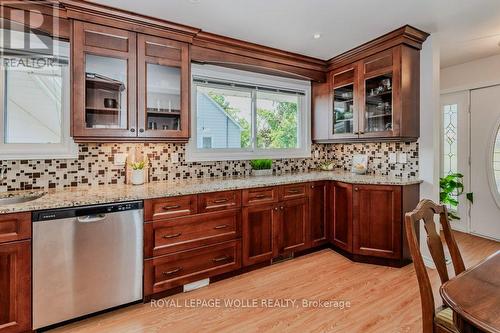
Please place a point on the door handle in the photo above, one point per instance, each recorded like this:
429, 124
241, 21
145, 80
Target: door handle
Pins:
171, 207
173, 271
220, 259
173, 235
91, 218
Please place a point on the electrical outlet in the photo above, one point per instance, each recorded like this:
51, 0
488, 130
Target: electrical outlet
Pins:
174, 158
402, 158
392, 158
120, 159
316, 154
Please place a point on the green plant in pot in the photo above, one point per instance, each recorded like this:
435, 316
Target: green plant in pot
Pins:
450, 188
137, 174
262, 167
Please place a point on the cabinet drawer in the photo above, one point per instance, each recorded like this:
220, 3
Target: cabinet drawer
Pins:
209, 202
156, 209
293, 191
172, 270
15, 227
188, 232
257, 196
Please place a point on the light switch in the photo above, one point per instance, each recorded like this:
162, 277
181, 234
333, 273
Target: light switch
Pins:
402, 158
120, 159
392, 158
316, 154
174, 158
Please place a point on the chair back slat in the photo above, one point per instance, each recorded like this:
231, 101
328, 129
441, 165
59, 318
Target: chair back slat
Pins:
425, 211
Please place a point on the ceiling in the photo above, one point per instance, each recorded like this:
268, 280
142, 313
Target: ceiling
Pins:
467, 29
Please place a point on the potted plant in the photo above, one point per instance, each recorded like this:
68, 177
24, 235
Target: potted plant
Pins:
451, 187
137, 175
262, 167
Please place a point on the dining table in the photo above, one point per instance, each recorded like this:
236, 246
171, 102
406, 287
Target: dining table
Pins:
474, 296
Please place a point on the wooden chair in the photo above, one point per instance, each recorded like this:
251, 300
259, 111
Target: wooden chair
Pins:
434, 320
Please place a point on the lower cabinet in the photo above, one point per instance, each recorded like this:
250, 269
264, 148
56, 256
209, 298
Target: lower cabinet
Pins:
176, 269
260, 227
377, 221
294, 225
318, 213
341, 215
15, 286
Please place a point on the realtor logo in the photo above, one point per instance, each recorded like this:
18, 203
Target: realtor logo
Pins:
26, 28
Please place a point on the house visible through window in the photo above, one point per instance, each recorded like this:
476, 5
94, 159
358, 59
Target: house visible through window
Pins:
34, 100
243, 115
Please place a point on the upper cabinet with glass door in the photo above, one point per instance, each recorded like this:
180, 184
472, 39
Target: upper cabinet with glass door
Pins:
375, 98
378, 92
344, 118
163, 85
104, 82
128, 86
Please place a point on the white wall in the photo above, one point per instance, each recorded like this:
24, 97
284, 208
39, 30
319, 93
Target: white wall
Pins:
429, 141
470, 75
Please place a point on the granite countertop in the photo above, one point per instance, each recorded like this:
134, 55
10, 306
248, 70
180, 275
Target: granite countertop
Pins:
80, 196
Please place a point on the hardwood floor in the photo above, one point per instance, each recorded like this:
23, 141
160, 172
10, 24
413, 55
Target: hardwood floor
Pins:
382, 299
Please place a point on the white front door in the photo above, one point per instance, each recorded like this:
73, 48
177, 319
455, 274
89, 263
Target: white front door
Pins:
485, 162
455, 148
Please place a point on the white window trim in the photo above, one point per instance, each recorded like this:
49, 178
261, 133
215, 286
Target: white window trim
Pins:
66, 149
194, 154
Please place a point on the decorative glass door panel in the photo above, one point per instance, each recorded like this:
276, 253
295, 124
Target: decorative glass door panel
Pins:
105, 92
378, 115
343, 110
163, 97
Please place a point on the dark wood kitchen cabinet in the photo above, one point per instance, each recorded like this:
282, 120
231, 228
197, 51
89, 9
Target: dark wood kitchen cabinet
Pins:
163, 86
294, 225
260, 227
374, 91
377, 221
128, 86
341, 215
15, 273
318, 213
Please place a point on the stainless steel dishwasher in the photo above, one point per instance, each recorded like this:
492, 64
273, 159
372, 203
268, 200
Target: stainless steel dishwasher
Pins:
85, 260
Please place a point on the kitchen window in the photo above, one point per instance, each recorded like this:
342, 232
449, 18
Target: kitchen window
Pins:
34, 99
247, 115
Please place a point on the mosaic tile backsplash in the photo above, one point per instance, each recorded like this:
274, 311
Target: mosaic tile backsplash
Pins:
95, 164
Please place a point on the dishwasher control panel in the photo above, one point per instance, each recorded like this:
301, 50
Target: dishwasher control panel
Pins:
56, 214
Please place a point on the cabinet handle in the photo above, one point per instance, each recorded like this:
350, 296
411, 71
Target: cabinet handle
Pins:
172, 271
222, 226
361, 132
171, 207
220, 200
132, 130
355, 133
173, 235
260, 196
220, 259
293, 191
141, 130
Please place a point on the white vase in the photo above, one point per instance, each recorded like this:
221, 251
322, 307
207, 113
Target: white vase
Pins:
137, 177
266, 172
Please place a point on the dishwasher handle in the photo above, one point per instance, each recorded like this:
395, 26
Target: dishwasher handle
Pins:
91, 218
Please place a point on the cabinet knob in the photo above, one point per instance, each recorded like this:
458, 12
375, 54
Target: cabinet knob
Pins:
312, 186
275, 208
356, 189
361, 132
141, 130
281, 207
132, 130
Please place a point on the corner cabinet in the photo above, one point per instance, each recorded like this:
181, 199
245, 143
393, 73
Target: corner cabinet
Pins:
128, 86
372, 93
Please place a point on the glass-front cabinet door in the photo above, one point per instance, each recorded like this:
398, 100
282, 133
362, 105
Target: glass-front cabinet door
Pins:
163, 86
104, 79
344, 122
377, 116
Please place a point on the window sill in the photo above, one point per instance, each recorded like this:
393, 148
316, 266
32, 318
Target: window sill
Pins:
231, 155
